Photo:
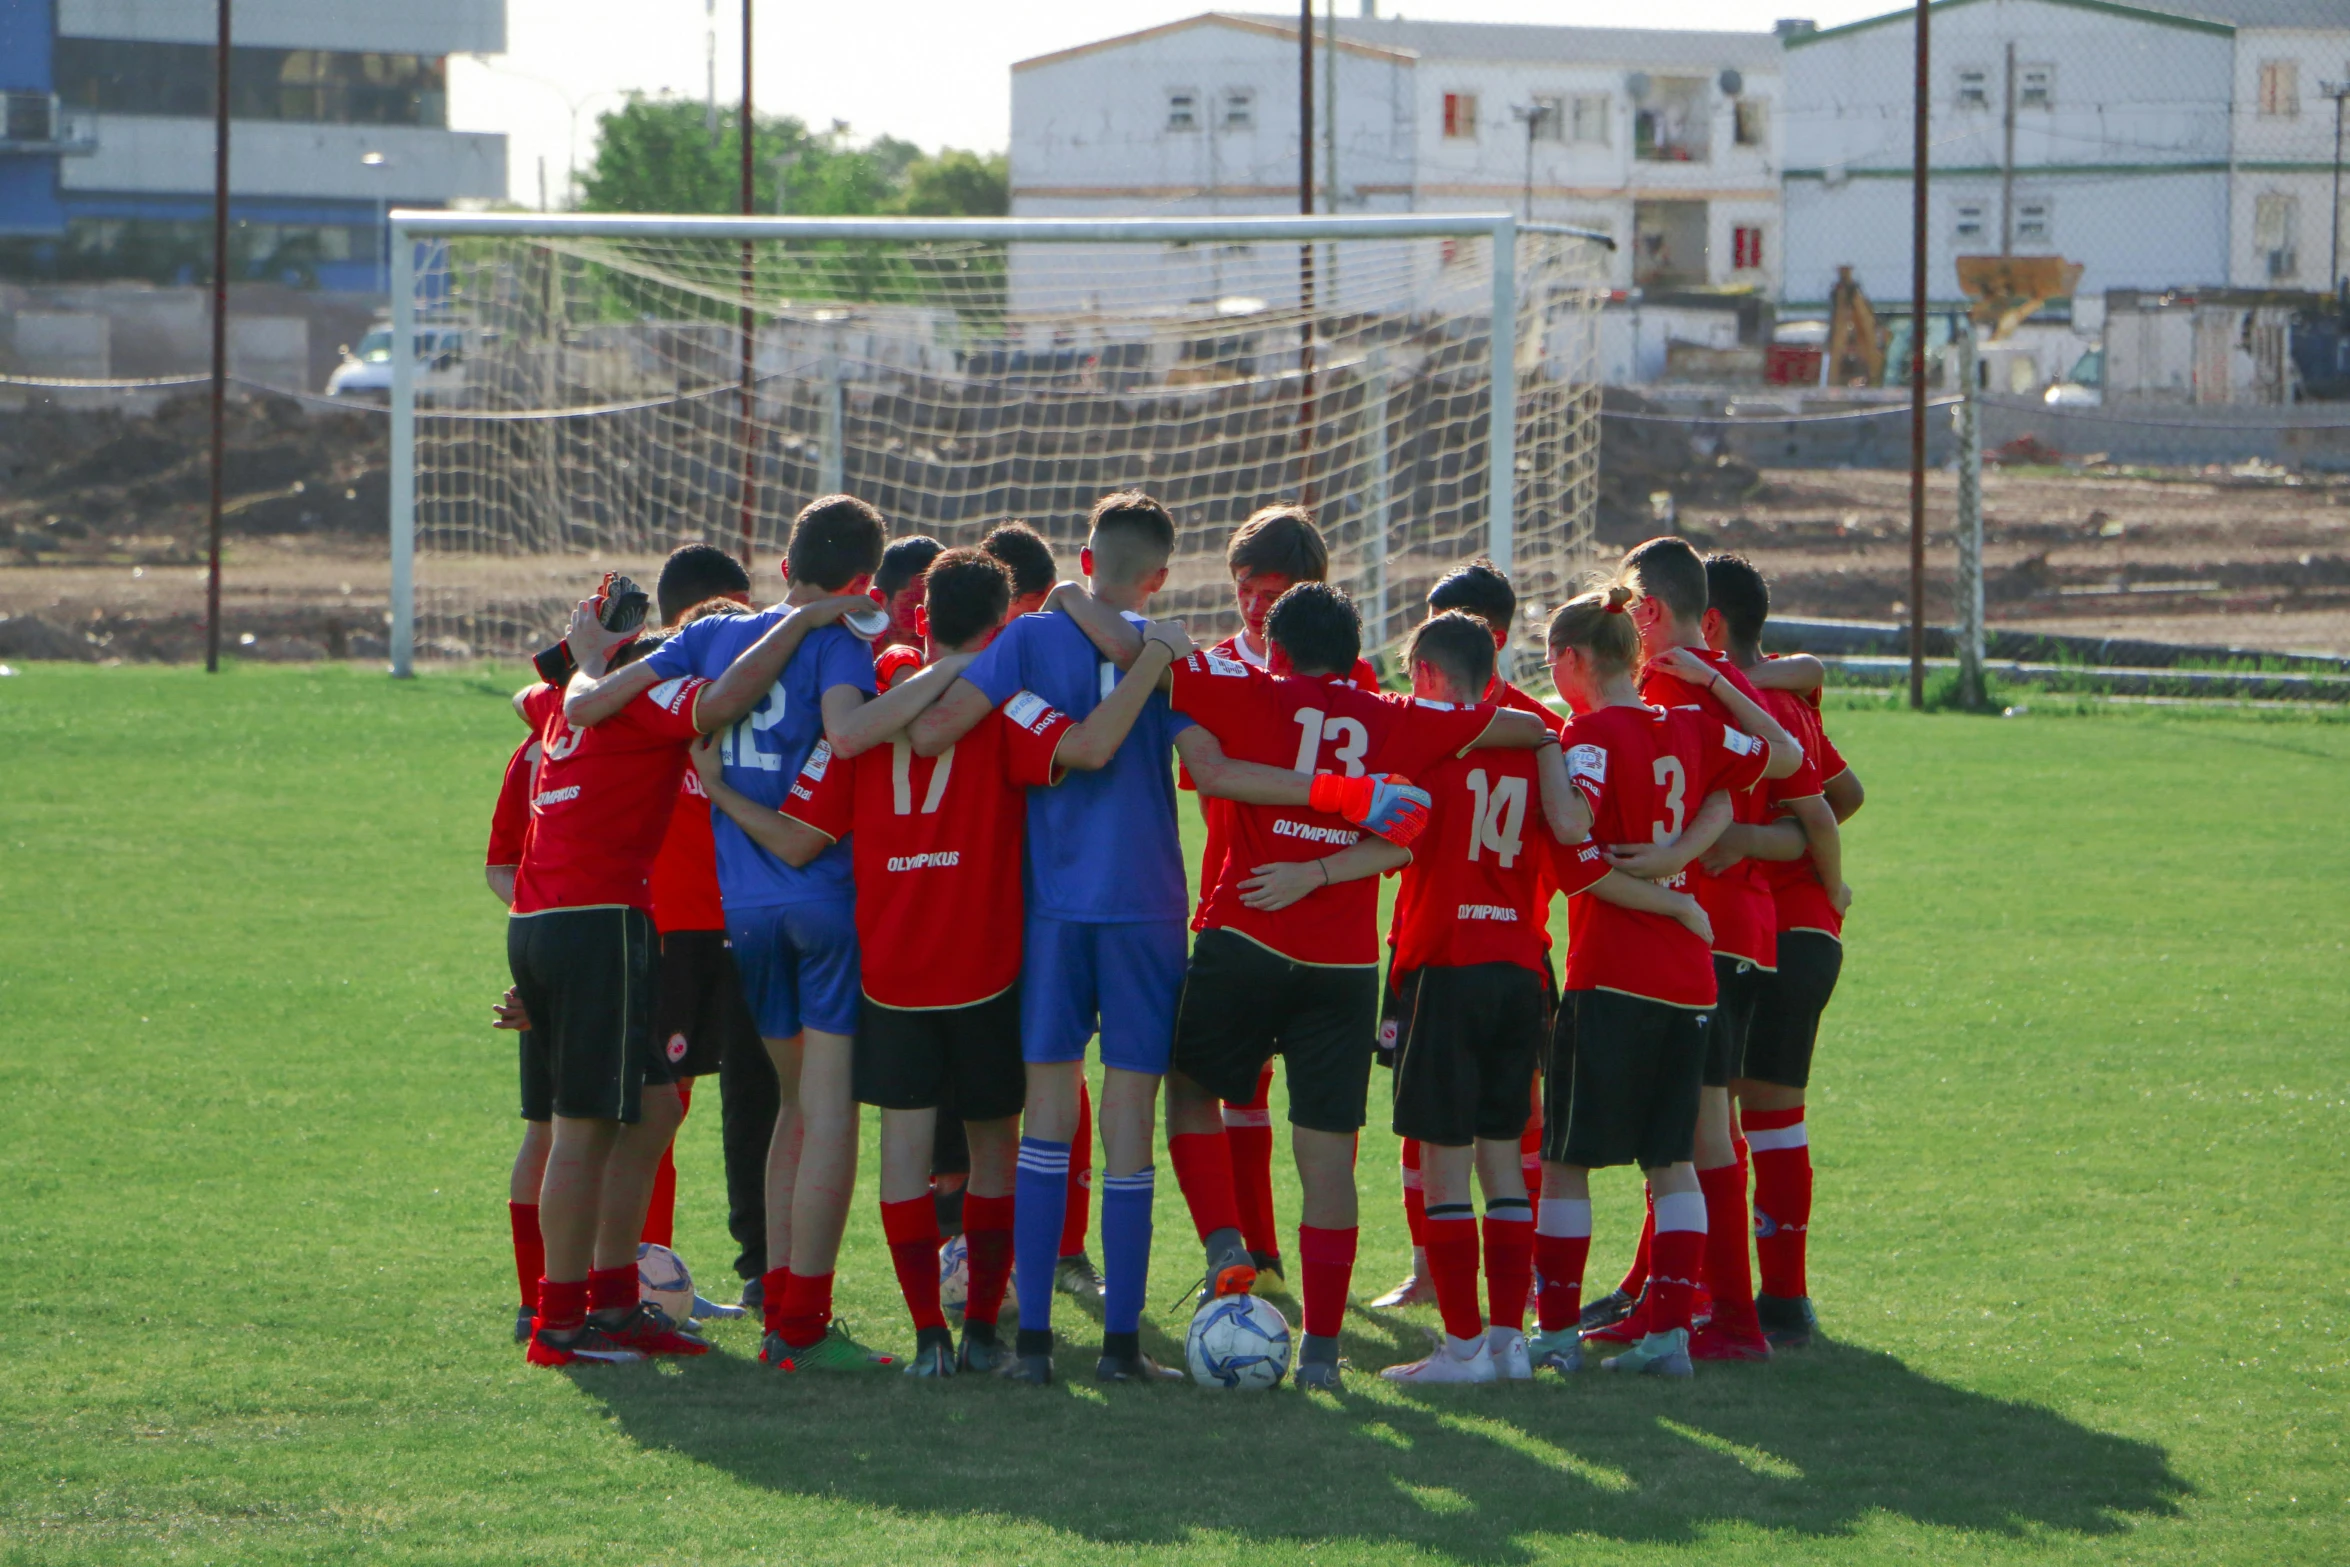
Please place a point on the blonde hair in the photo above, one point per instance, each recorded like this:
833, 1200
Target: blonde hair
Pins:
1596, 623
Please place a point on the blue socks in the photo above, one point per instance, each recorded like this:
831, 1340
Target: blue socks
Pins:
1126, 1249
1040, 1203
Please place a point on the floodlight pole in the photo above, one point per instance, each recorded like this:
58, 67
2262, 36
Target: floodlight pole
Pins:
1920, 152
746, 326
2338, 91
219, 342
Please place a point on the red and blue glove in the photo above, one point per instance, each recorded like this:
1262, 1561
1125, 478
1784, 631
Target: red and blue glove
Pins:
1386, 803
896, 662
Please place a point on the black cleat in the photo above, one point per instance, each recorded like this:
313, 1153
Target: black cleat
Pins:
1035, 1370
523, 1316
1607, 1311
1788, 1321
1268, 1262
1137, 1367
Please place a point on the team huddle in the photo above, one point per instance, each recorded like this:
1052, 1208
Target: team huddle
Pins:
909, 840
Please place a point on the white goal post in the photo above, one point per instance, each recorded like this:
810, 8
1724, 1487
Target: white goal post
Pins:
591, 390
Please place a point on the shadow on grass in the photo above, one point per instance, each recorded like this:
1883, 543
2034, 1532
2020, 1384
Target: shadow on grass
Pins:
1815, 1442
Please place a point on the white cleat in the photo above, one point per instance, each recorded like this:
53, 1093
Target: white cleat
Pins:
1413, 1291
1445, 1364
1511, 1362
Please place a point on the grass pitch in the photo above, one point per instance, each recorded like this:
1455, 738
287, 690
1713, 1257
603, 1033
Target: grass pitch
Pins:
2080, 1132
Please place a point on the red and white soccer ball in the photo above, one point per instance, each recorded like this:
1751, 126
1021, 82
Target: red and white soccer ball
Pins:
954, 1273
662, 1278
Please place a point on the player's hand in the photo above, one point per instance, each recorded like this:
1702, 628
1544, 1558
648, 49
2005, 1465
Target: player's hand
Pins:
1718, 859
1692, 917
1684, 664
508, 1012
1170, 635
707, 766
1389, 804
1279, 885
1840, 898
1648, 861
586, 635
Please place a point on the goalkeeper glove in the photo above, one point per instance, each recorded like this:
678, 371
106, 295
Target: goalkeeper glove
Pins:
895, 664
1386, 803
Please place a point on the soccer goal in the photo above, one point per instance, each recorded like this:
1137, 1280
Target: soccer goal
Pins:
589, 392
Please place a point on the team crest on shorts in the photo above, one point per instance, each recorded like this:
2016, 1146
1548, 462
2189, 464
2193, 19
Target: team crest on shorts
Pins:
675, 1049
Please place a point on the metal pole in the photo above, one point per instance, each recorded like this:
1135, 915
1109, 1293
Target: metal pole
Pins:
1967, 416
1375, 422
2007, 164
1501, 418
403, 452
2341, 90
219, 340
1919, 153
1329, 279
745, 327
1305, 254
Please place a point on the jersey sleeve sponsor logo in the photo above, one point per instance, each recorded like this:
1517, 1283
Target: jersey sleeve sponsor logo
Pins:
557, 796
672, 695
818, 761
1589, 852
936, 859
1283, 827
1487, 911
1739, 741
1030, 711
1587, 764
1227, 666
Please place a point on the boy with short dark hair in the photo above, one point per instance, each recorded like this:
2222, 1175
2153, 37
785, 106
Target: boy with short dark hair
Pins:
897, 583
1028, 558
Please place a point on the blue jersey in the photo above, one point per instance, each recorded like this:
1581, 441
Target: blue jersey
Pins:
1101, 846
764, 752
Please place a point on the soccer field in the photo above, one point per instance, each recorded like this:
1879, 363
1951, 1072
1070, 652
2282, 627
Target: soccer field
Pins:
2079, 1125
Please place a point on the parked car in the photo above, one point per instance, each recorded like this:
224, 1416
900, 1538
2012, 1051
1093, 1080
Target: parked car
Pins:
366, 371
2083, 386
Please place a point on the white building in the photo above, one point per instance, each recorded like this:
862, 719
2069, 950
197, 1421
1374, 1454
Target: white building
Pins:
1665, 140
2288, 53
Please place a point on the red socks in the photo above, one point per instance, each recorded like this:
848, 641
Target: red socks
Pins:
1077, 1213
563, 1304
1203, 1168
1415, 1199
1678, 1252
1727, 1276
774, 1284
806, 1309
1509, 1260
987, 1231
661, 1210
612, 1289
1452, 1268
911, 1228
1562, 1248
1782, 1197
1248, 1130
530, 1253
1326, 1268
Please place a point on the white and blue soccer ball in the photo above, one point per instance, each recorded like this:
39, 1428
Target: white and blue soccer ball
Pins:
954, 1273
662, 1279
1238, 1341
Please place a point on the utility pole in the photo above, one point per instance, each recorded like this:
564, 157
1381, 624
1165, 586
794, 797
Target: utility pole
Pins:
746, 392
1534, 116
2338, 91
2007, 164
1305, 253
1920, 152
710, 70
219, 341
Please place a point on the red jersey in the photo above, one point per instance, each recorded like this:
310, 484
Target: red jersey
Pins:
1211, 809
603, 799
1798, 899
685, 872
510, 822
937, 843
1745, 923
1645, 772
1309, 725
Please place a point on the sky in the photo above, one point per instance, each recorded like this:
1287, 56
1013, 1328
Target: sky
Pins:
932, 72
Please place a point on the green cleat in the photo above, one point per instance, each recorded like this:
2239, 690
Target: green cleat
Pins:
1663, 1354
835, 1351
1561, 1351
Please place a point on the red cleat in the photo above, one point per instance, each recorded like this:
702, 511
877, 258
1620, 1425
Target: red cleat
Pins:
1715, 1342
587, 1344
649, 1331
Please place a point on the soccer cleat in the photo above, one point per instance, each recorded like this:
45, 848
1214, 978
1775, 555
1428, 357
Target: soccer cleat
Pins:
1663, 1354
1230, 1272
1630, 1328
1322, 1374
1607, 1311
1137, 1367
835, 1351
1035, 1370
524, 1316
706, 1309
1561, 1351
1716, 1342
1268, 1262
982, 1352
1442, 1365
933, 1357
1788, 1321
1077, 1278
650, 1330
1512, 1361
1413, 1291
590, 1344
754, 1296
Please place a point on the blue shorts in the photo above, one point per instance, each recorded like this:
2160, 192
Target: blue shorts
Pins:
799, 966
1121, 980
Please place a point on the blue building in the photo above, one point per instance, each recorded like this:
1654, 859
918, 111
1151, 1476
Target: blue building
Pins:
340, 110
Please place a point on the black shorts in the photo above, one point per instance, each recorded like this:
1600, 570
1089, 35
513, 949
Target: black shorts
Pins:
1468, 1052
585, 979
698, 1012
1786, 1021
1243, 1004
1621, 1082
1738, 986
964, 1061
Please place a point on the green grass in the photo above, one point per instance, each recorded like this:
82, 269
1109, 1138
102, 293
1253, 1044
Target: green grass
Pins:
2080, 1130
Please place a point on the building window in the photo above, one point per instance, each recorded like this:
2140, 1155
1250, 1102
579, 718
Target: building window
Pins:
2280, 89
1460, 116
2035, 86
1752, 118
1588, 118
1967, 226
1182, 110
1670, 124
1746, 248
2035, 222
1974, 90
313, 86
1240, 108
1550, 117
2276, 225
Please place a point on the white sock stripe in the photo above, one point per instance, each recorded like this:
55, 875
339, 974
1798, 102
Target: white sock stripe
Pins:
1240, 1117
1681, 1211
1139, 1181
1411, 1180
1565, 1216
1773, 1138
1044, 1163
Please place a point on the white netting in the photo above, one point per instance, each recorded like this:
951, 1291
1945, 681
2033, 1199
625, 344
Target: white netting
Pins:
582, 408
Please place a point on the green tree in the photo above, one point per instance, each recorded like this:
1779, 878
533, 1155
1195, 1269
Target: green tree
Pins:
657, 155
957, 184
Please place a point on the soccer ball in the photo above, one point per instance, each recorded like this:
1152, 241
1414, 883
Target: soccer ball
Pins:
1237, 1341
954, 1273
661, 1278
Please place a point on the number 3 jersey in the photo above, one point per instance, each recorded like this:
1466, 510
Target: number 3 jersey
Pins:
1646, 771
937, 843
1309, 725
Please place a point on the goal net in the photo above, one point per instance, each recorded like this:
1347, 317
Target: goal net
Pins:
591, 392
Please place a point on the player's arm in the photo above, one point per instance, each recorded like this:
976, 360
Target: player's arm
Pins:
1634, 892
793, 842
1088, 746
1774, 840
1284, 882
1818, 822
1564, 809
593, 695
1788, 672
1251, 783
1515, 730
864, 725
754, 672
501, 880
1786, 750
1662, 861
1844, 794
520, 697
1118, 639
951, 717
